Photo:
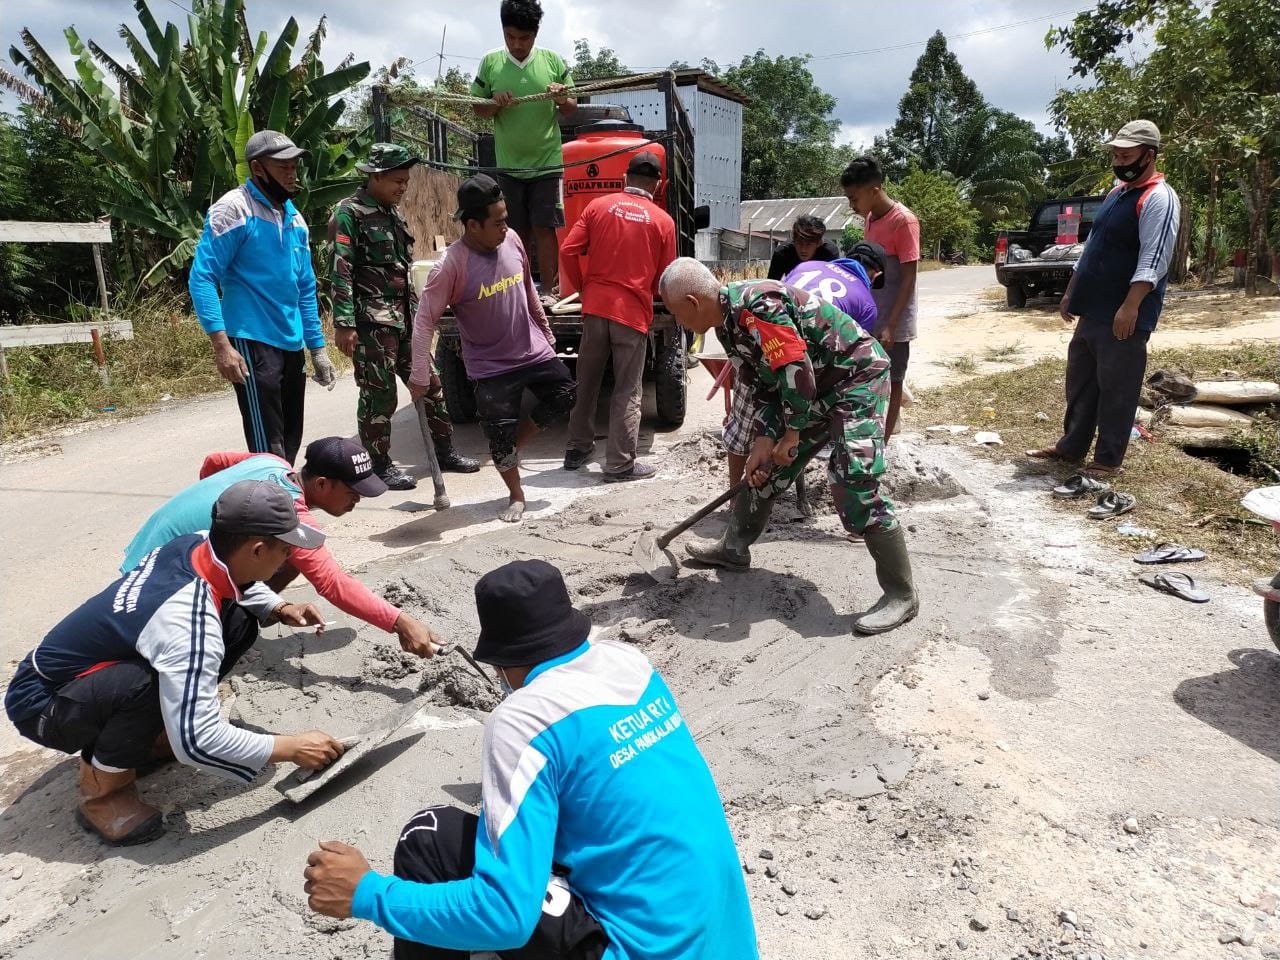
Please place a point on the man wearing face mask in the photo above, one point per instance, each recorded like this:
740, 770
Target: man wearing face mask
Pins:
1117, 291
254, 290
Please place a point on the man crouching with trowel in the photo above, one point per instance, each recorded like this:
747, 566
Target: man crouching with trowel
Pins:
816, 376
143, 659
591, 778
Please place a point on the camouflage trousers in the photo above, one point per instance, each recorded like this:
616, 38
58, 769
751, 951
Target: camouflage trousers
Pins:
382, 356
853, 421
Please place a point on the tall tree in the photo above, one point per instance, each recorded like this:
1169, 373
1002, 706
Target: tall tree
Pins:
939, 95
788, 132
589, 66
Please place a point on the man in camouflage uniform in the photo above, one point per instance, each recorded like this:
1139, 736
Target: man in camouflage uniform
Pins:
815, 375
373, 308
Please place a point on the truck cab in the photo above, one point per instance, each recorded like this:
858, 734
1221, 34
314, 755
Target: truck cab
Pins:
1039, 261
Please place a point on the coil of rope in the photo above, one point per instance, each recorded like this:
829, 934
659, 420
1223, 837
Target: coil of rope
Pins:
642, 81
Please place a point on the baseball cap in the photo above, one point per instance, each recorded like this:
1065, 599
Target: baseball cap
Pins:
341, 459
273, 144
388, 156
872, 254
645, 164
1136, 133
256, 507
476, 193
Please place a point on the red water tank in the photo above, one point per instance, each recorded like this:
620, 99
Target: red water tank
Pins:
595, 165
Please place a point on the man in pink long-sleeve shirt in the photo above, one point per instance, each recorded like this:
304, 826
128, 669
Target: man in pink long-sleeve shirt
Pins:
336, 474
507, 343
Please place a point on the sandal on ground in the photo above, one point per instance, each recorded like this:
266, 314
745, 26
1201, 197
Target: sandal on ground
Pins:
1111, 505
1177, 583
1079, 485
1169, 553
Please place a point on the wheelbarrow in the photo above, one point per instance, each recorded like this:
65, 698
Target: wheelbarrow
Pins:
721, 370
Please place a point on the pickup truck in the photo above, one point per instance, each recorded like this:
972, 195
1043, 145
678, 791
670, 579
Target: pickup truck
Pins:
1031, 263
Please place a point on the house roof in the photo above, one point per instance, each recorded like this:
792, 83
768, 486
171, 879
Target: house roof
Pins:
776, 216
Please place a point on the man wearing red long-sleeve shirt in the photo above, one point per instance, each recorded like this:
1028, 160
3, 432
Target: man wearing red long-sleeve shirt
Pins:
335, 475
629, 240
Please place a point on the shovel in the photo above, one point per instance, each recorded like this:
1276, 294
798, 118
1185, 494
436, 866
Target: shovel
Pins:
437, 478
652, 554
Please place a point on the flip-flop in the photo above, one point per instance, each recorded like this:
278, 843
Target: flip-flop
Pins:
1169, 553
1051, 453
1098, 470
1110, 505
1079, 485
1177, 583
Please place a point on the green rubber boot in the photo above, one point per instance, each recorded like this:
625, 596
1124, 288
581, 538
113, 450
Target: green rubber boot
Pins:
893, 570
732, 552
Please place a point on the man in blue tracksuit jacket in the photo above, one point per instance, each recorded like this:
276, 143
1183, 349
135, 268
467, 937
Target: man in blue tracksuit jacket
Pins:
590, 777
254, 290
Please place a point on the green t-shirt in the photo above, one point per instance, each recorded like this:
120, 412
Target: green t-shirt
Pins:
527, 134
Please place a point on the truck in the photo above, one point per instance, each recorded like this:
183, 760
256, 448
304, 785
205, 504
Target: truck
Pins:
1038, 261
665, 363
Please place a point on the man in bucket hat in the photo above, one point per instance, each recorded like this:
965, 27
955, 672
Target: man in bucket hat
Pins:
142, 660
373, 308
588, 727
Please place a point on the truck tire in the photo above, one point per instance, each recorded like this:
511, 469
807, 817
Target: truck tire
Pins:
669, 384
459, 392
1015, 295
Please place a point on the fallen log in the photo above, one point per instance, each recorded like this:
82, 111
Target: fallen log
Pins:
1237, 392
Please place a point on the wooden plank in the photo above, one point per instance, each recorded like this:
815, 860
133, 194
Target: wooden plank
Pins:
30, 231
37, 334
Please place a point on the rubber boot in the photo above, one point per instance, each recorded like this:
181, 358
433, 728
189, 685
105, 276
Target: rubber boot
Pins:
749, 518
451, 459
111, 808
393, 476
893, 570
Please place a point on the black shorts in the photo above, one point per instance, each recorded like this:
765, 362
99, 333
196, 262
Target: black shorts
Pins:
899, 358
533, 203
439, 844
498, 402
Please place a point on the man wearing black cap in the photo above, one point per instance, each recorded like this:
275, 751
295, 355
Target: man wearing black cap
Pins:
373, 307
143, 658
629, 240
590, 776
337, 473
507, 343
254, 291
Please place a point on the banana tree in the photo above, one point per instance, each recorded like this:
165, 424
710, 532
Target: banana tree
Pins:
170, 126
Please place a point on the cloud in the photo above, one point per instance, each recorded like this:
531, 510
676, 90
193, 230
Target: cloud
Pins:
878, 44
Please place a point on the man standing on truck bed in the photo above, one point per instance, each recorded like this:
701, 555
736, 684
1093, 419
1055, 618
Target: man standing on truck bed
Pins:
1117, 291
507, 343
630, 240
373, 306
526, 136
895, 228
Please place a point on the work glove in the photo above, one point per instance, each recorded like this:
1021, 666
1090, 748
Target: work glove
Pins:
323, 372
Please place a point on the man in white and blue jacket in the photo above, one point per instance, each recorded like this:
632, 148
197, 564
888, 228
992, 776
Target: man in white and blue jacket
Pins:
1117, 291
254, 290
601, 833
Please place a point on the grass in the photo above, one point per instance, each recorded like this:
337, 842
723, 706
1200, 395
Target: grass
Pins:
1005, 354
964, 364
1182, 498
169, 356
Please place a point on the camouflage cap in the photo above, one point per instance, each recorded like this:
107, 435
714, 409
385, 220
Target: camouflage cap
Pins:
387, 156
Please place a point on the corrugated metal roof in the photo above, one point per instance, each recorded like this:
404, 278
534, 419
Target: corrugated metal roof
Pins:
776, 216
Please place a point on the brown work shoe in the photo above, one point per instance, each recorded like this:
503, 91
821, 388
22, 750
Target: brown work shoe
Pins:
111, 808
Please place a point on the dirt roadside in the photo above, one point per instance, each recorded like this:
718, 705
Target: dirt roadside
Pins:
1052, 760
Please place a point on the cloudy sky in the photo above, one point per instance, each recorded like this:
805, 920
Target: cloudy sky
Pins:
862, 53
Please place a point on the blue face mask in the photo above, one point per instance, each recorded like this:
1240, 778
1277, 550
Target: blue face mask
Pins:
506, 688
